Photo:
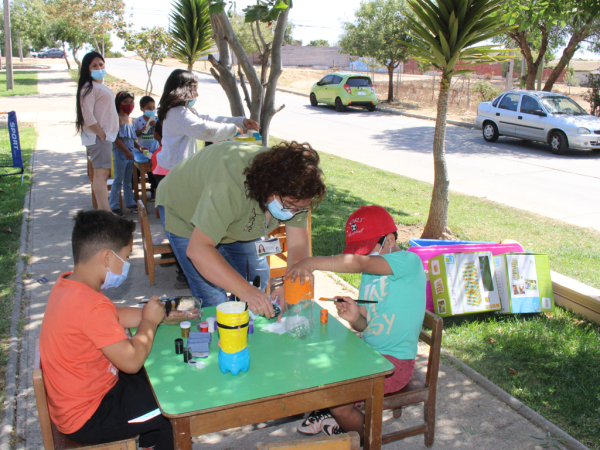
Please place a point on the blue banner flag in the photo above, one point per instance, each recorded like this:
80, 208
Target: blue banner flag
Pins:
15, 142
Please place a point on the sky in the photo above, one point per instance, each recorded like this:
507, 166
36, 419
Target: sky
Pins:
314, 19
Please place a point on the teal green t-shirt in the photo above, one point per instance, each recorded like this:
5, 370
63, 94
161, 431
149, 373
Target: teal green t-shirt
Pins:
395, 322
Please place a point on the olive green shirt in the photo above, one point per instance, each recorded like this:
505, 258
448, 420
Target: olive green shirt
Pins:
206, 191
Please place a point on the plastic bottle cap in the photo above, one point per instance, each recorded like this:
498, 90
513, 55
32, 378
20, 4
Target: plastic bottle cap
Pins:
324, 312
200, 364
185, 324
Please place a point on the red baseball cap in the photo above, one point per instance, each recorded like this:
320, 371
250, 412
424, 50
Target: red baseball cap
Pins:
365, 227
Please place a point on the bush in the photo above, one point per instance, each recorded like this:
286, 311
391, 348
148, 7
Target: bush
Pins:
570, 78
486, 91
111, 54
593, 95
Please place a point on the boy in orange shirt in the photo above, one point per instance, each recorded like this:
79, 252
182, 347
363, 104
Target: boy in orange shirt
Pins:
92, 370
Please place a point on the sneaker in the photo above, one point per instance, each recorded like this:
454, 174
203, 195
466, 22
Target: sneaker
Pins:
132, 209
331, 427
181, 281
118, 212
312, 424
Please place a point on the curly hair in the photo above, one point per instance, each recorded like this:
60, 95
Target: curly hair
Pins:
288, 169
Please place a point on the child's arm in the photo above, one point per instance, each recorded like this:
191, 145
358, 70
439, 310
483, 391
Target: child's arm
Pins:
123, 148
340, 264
129, 355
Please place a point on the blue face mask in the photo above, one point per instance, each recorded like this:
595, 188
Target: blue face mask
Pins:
149, 113
276, 210
192, 102
98, 74
114, 280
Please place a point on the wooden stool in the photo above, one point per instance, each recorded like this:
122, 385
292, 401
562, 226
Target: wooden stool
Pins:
346, 441
52, 438
152, 247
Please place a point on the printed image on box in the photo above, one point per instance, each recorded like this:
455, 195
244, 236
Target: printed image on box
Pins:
463, 283
524, 283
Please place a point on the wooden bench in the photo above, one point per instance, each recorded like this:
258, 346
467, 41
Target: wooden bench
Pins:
346, 441
421, 389
52, 438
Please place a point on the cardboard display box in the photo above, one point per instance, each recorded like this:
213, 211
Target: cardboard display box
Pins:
524, 283
463, 283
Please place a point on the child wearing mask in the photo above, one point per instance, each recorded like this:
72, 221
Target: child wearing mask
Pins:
144, 127
390, 276
93, 371
123, 148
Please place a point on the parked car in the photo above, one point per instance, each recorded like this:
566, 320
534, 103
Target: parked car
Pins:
34, 54
52, 53
344, 89
540, 116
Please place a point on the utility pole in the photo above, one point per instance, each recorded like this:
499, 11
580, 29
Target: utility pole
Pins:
540, 75
10, 84
509, 75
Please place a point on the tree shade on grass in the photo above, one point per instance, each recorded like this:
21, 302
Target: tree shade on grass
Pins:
25, 84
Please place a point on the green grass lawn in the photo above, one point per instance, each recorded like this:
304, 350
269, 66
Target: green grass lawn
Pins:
25, 83
12, 195
556, 358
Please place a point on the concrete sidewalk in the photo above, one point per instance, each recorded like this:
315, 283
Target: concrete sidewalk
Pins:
468, 416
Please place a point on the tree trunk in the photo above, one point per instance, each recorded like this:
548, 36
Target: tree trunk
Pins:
269, 109
20, 46
64, 50
96, 42
520, 39
437, 221
222, 70
390, 67
568, 53
74, 51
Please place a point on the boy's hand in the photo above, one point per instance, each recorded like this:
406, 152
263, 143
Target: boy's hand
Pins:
348, 309
176, 317
153, 311
303, 270
129, 155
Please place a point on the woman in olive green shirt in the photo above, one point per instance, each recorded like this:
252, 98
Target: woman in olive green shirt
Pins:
216, 204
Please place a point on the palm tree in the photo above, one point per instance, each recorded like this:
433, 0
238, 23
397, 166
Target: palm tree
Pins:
445, 33
191, 31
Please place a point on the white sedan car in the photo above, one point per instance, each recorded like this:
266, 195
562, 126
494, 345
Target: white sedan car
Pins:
540, 116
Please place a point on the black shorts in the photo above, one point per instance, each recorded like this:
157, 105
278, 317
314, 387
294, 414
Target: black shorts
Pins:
130, 398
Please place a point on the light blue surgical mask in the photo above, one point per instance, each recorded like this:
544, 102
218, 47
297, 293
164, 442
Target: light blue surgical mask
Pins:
192, 102
98, 74
276, 210
114, 280
150, 113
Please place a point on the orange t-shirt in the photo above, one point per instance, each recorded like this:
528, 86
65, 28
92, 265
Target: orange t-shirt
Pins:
78, 323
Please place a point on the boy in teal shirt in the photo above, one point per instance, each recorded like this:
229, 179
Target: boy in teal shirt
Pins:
396, 281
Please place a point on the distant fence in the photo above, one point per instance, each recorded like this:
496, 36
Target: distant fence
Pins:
292, 55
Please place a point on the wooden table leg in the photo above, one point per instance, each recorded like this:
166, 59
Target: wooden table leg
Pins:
374, 416
136, 194
143, 181
182, 436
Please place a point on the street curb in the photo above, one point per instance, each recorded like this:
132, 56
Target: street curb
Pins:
379, 108
7, 426
568, 441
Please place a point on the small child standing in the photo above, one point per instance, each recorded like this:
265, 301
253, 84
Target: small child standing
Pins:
92, 369
396, 281
123, 149
144, 127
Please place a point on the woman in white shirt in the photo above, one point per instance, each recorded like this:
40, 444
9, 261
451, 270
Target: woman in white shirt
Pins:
97, 121
182, 125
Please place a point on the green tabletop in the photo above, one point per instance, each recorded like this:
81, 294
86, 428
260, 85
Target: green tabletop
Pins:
278, 364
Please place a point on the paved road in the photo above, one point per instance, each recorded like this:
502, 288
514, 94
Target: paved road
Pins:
517, 173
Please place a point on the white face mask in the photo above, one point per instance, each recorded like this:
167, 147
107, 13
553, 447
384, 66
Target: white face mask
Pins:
377, 253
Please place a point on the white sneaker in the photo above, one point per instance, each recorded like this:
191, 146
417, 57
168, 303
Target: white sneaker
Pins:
331, 427
312, 424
